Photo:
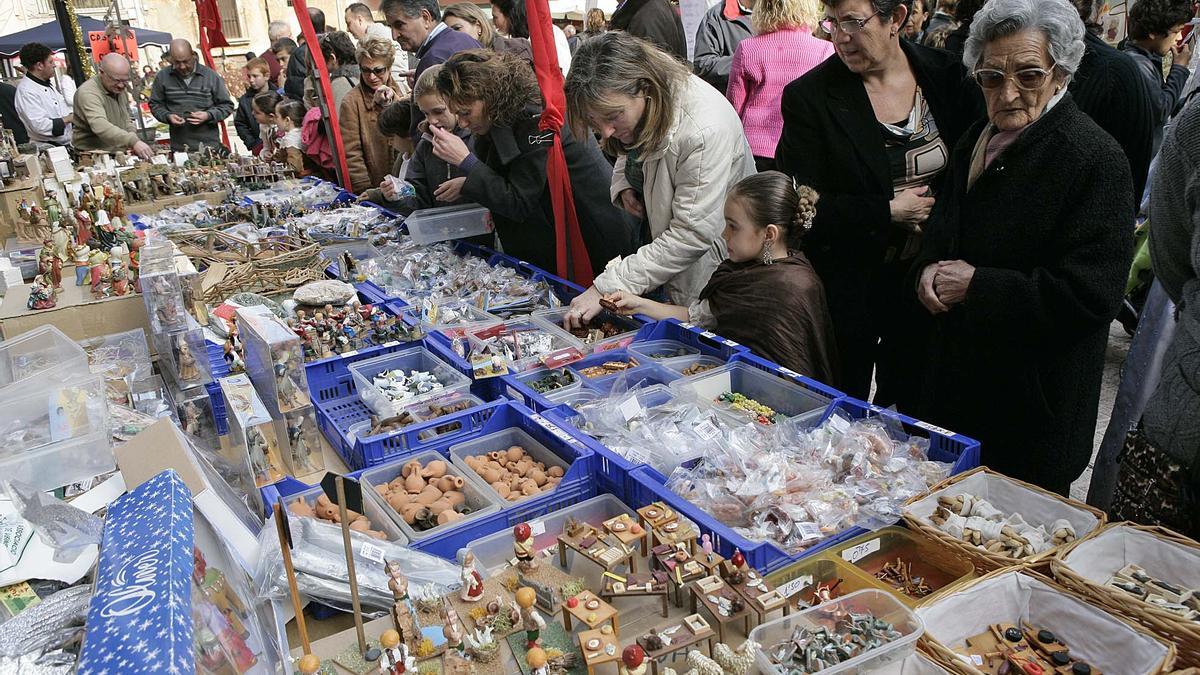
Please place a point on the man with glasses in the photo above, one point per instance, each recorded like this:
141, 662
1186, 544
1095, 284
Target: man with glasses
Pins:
102, 120
192, 98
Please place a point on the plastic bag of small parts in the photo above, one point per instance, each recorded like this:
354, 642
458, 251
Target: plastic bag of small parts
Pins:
320, 563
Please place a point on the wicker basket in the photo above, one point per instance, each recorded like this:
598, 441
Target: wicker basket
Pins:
950, 660
984, 561
1185, 634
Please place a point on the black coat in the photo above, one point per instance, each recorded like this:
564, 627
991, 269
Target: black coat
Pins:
1110, 89
1048, 227
8, 113
245, 123
652, 20
510, 180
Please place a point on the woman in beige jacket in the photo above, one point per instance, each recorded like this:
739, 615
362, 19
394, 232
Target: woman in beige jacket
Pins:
368, 156
679, 147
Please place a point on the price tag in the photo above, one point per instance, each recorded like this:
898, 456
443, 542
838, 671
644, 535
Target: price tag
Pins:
707, 430
537, 527
708, 334
936, 429
349, 353
789, 372
630, 407
840, 424
809, 531
795, 586
685, 324
181, 158
393, 343
853, 555
371, 552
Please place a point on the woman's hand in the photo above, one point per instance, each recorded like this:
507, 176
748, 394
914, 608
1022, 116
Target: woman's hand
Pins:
448, 147
632, 203
910, 209
952, 280
388, 190
383, 96
584, 307
926, 293
450, 191
627, 303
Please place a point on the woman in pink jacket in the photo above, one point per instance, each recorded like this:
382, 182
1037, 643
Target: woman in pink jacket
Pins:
782, 49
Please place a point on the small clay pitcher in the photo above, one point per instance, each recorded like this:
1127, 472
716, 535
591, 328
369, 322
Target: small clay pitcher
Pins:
502, 489
410, 511
440, 505
434, 469
301, 508
449, 516
429, 495
414, 483
397, 500
538, 476
515, 453
555, 472
410, 468
448, 483
455, 498
490, 475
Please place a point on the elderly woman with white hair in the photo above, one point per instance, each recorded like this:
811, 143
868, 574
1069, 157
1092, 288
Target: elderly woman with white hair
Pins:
1024, 259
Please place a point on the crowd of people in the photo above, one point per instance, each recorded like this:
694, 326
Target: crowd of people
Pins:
928, 205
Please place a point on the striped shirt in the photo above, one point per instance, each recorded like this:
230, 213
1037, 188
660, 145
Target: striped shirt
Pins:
205, 91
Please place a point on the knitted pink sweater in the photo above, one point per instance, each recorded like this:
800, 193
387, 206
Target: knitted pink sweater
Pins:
762, 66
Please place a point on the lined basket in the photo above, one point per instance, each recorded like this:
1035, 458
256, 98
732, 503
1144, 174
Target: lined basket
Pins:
953, 662
983, 560
1184, 634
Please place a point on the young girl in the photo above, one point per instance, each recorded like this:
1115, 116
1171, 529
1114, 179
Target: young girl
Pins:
766, 294
263, 109
289, 117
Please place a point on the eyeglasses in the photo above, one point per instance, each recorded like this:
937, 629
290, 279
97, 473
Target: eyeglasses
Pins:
1026, 79
116, 80
847, 26
375, 71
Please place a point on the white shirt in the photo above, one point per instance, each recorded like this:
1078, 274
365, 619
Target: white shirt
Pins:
564, 49
39, 106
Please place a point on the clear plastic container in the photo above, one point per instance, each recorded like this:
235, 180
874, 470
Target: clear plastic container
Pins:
44, 351
429, 226
662, 350
812, 572
879, 604
377, 513
420, 413
573, 398
257, 443
628, 327
499, 338
408, 360
682, 364
916, 664
479, 501
503, 440
184, 355
528, 378
56, 431
789, 401
359, 250
940, 567
162, 291
454, 318
194, 411
304, 455
644, 376
494, 551
274, 360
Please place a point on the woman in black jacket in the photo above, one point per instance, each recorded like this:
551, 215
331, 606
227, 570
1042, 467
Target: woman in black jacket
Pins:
496, 97
1024, 262
871, 132
655, 21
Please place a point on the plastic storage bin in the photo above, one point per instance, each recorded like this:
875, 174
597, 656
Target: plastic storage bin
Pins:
481, 503
661, 350
503, 440
683, 364
628, 327
879, 604
790, 401
520, 387
801, 580
372, 509
161, 289
57, 431
493, 552
453, 320
940, 567
703, 341
428, 226
421, 413
499, 339
274, 360
42, 352
408, 360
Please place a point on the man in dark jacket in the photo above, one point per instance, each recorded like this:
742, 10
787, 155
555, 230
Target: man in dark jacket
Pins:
190, 97
943, 15
1154, 28
297, 67
725, 25
1110, 89
654, 21
417, 26
8, 113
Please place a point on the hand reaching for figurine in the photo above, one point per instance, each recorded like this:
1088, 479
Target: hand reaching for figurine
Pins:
584, 307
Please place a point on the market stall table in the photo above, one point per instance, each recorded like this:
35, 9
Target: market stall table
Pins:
597, 549
652, 517
711, 565
600, 655
682, 639
725, 593
634, 586
679, 572
592, 617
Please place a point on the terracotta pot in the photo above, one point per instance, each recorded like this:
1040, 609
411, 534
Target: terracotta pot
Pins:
448, 483
515, 453
382, 490
414, 483
440, 505
429, 495
397, 500
490, 475
502, 489
361, 525
410, 511
555, 472
495, 456
434, 469
538, 476
514, 482
529, 488
410, 468
449, 516
301, 508
396, 483
524, 467
455, 498
472, 462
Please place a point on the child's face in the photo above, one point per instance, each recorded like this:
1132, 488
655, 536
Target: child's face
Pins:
264, 119
436, 111
257, 79
742, 238
282, 121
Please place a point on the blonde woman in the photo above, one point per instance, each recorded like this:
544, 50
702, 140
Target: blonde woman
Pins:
466, 17
679, 147
782, 49
367, 158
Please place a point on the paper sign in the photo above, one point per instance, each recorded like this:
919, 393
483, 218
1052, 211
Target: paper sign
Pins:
181, 158
707, 430
809, 531
853, 555
537, 528
102, 44
630, 407
936, 429
795, 586
562, 357
371, 552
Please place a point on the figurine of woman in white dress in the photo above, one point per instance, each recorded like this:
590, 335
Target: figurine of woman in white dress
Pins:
472, 589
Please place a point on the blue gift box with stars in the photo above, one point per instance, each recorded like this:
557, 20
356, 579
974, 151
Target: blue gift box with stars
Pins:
140, 617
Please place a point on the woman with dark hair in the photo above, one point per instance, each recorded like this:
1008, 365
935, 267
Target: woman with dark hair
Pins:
466, 17
872, 131
496, 97
338, 49
511, 19
766, 294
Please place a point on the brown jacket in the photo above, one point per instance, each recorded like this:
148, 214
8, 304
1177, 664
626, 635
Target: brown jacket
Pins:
369, 155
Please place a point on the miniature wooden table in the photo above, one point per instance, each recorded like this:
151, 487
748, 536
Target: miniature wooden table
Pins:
652, 517
751, 594
622, 528
604, 613
711, 566
664, 556
686, 534
681, 639
598, 656
576, 544
634, 587
713, 609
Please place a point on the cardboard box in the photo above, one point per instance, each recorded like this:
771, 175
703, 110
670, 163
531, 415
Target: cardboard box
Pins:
77, 314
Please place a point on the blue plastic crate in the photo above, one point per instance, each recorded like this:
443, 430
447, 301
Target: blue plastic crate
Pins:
708, 343
216, 362
648, 485
339, 407
514, 387
750, 359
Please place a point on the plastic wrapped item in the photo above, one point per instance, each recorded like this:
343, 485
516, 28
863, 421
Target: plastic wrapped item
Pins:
193, 411
451, 318
43, 351
274, 360
122, 358
184, 355
304, 442
52, 622
56, 432
150, 397
257, 444
525, 344
320, 561
66, 528
603, 332
161, 290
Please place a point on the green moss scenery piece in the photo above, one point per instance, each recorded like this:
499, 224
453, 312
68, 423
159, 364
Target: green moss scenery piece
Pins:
553, 636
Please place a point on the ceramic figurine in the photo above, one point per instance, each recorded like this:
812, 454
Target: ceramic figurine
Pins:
214, 586
451, 629
290, 396
531, 620
706, 544
633, 661
98, 262
41, 294
190, 418
472, 589
537, 661
83, 226
79, 256
50, 265
256, 446
120, 278
186, 362
523, 547
402, 617
62, 242
395, 658
232, 357
301, 454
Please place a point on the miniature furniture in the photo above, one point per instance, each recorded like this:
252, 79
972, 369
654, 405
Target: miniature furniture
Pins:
603, 613
600, 655
634, 586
